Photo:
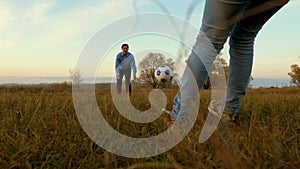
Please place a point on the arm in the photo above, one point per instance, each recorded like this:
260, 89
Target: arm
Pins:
117, 68
132, 65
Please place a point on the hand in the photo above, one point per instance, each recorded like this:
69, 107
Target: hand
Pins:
118, 76
134, 77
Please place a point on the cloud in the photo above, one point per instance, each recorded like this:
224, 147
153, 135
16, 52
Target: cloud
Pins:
6, 16
16, 21
38, 11
294, 3
51, 32
38, 23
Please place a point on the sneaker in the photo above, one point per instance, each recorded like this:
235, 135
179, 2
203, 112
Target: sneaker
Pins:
170, 122
216, 108
166, 111
229, 118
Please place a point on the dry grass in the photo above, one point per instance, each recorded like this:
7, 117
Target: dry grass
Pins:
39, 129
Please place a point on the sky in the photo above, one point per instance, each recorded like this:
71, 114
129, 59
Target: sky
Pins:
42, 38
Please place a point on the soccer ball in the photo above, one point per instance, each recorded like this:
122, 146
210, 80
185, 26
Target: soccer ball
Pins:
163, 74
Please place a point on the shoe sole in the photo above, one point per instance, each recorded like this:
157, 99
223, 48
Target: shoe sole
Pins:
166, 111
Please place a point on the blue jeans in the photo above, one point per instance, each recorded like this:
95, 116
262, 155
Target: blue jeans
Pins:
223, 19
127, 74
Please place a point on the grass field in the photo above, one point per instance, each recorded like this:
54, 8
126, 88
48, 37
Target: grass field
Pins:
39, 129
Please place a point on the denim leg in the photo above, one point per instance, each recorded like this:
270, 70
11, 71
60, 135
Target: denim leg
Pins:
216, 26
119, 81
127, 78
198, 65
241, 54
194, 65
213, 34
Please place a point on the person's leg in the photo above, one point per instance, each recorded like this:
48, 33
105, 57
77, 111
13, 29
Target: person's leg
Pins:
127, 79
119, 81
213, 34
129, 88
241, 53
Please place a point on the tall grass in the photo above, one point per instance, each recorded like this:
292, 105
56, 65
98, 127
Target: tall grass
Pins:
39, 129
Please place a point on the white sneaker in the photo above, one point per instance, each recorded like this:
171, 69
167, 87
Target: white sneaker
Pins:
170, 122
166, 111
229, 118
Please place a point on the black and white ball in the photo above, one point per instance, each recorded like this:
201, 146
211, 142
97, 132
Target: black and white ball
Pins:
163, 74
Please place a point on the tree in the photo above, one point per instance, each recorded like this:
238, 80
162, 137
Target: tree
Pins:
207, 84
250, 80
150, 63
75, 76
295, 74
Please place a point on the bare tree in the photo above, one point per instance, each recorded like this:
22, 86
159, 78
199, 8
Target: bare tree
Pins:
75, 76
150, 63
207, 83
295, 74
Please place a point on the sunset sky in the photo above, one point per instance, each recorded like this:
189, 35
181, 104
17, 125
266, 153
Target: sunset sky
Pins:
46, 37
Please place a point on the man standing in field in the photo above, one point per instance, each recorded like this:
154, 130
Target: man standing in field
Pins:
124, 63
